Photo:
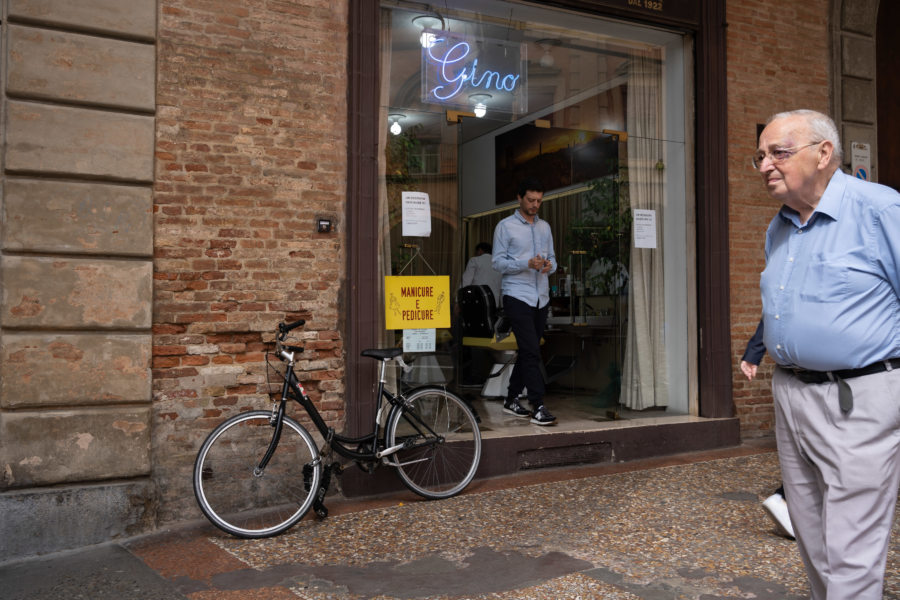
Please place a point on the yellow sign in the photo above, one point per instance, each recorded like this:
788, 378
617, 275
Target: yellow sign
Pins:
417, 302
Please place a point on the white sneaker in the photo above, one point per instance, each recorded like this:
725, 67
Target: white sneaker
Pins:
777, 509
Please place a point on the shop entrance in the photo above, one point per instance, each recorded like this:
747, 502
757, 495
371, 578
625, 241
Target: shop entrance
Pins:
472, 100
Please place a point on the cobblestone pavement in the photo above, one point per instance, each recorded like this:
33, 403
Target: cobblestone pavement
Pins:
685, 528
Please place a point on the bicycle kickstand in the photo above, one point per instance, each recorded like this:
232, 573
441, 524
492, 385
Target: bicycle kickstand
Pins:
319, 503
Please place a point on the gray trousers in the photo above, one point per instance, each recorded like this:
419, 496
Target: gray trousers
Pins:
841, 473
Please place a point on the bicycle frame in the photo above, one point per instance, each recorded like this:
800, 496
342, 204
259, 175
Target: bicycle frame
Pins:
292, 388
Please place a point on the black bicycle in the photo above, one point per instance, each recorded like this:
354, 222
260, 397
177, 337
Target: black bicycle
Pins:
259, 472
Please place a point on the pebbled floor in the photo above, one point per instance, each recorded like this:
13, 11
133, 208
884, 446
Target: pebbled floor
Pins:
691, 530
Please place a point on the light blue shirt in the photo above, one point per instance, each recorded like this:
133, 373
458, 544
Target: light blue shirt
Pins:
516, 241
831, 288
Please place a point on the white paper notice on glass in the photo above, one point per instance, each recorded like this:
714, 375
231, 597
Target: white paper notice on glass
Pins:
419, 340
416, 214
644, 228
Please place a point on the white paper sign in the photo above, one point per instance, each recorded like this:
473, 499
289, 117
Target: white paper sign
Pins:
416, 214
419, 340
860, 160
644, 228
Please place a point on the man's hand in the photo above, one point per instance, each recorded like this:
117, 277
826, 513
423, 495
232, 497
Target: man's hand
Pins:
748, 369
539, 263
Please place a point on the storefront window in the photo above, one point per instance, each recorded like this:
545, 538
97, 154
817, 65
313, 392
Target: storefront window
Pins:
479, 95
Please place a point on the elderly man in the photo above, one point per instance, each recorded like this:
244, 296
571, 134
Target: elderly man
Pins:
831, 312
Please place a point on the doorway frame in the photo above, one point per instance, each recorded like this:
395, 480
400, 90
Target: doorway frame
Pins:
712, 311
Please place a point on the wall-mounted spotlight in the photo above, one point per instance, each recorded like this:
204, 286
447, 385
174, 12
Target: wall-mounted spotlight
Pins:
395, 118
423, 22
546, 44
479, 101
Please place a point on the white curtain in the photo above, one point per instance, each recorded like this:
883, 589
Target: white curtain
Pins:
644, 373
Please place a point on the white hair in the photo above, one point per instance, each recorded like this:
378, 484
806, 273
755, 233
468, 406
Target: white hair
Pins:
820, 125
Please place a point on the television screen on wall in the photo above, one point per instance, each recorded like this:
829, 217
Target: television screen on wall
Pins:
559, 157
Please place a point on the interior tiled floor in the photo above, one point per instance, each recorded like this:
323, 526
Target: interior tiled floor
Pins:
574, 413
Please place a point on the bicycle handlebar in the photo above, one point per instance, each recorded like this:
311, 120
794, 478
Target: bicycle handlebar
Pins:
280, 348
283, 328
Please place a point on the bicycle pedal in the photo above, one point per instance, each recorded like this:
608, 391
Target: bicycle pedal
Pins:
307, 476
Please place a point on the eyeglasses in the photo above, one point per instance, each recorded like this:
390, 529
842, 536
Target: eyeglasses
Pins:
778, 155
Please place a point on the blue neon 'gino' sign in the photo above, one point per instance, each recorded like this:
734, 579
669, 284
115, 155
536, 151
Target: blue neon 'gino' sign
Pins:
454, 68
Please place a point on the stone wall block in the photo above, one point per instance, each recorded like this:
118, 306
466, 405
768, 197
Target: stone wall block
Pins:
859, 16
61, 140
53, 369
75, 293
135, 18
858, 57
72, 67
82, 218
62, 518
858, 100
51, 447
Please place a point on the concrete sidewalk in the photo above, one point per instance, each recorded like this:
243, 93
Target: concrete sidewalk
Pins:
683, 527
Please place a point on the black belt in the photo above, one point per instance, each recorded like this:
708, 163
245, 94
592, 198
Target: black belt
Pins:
845, 395
824, 376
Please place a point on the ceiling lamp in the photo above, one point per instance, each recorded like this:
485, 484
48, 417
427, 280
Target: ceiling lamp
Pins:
479, 101
546, 44
435, 21
394, 118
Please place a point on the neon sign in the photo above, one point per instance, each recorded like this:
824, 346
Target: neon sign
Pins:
453, 68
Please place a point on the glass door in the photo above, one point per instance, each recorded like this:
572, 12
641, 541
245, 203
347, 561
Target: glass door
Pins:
586, 204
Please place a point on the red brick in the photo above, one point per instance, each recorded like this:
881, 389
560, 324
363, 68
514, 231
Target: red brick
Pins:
168, 350
195, 360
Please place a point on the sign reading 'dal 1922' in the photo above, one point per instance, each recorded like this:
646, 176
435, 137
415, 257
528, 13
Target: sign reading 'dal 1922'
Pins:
456, 68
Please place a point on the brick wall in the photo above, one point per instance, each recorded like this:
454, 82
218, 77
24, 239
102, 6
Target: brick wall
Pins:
778, 59
251, 148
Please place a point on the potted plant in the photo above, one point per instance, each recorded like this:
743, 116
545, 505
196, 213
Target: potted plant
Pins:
602, 231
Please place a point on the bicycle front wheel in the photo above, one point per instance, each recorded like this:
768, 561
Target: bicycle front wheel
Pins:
238, 496
442, 443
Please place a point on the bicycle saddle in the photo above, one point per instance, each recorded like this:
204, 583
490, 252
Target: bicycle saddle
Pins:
382, 353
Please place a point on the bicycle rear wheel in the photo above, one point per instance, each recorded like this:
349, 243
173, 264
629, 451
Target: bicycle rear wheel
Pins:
243, 501
442, 443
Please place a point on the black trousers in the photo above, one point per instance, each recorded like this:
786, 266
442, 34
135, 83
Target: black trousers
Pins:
528, 324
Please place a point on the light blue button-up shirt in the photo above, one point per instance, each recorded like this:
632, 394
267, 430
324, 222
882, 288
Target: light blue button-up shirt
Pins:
516, 241
831, 287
